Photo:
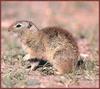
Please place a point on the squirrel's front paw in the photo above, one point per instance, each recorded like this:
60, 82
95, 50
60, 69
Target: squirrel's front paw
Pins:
34, 66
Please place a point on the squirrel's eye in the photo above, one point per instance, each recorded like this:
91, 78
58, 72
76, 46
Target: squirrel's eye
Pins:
18, 25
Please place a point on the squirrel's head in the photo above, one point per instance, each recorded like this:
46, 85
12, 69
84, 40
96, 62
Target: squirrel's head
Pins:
21, 26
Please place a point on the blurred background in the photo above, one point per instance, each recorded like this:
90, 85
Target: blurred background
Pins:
81, 18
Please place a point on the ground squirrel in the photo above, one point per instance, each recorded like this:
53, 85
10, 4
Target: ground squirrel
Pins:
54, 44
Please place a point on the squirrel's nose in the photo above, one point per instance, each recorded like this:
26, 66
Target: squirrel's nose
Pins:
9, 29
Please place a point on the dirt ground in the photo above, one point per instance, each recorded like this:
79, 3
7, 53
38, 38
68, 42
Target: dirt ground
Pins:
81, 18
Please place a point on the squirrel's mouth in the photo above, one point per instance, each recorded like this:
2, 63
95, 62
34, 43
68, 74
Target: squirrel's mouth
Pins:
15, 35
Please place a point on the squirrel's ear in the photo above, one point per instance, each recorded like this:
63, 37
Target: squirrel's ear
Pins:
34, 28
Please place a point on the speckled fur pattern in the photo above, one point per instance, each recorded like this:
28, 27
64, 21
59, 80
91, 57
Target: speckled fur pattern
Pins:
53, 44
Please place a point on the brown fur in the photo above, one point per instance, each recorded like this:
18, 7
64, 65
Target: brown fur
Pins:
53, 44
